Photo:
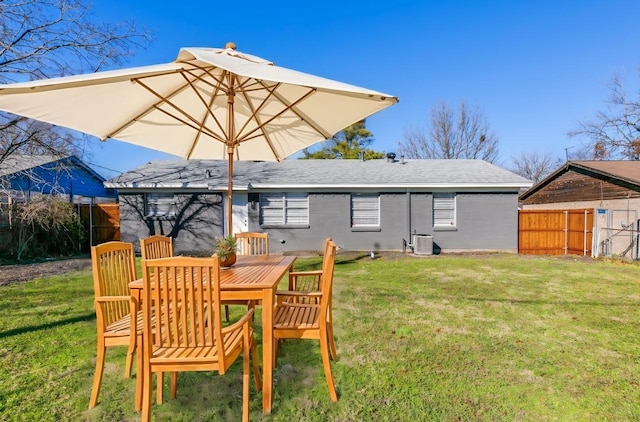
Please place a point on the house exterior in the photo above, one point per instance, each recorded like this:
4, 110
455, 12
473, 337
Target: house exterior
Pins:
464, 205
22, 176
608, 189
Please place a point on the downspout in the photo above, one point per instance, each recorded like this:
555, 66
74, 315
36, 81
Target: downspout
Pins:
408, 215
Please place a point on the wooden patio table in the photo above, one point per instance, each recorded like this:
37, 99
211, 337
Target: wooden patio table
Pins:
251, 278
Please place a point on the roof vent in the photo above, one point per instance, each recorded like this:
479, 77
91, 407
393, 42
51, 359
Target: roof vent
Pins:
391, 157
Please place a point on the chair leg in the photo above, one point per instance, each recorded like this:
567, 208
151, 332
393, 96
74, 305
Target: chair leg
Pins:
256, 364
276, 344
245, 378
146, 399
159, 387
139, 375
174, 384
332, 344
97, 376
226, 312
130, 353
324, 351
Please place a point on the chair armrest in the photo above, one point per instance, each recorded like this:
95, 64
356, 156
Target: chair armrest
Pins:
246, 318
297, 293
304, 273
296, 296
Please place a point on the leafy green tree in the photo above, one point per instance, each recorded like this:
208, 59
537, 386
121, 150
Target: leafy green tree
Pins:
351, 142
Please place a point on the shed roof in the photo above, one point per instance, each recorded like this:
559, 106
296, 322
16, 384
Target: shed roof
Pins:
212, 174
616, 170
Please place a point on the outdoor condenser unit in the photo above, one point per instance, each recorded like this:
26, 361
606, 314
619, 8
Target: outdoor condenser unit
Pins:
423, 244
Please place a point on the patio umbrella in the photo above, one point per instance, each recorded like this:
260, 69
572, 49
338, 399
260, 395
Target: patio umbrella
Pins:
209, 103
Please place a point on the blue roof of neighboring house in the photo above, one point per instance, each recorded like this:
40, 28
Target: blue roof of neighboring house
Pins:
321, 174
48, 173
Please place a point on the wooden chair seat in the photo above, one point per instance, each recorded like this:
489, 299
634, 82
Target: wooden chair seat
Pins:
297, 317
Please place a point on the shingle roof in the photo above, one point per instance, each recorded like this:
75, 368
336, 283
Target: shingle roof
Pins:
15, 163
319, 174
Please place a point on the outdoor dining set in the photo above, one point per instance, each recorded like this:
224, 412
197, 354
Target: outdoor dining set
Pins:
172, 318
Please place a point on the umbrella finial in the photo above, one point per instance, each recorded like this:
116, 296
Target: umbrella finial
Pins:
230, 45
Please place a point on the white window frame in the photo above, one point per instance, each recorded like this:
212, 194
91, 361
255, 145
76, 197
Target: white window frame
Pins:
365, 210
444, 210
160, 205
284, 209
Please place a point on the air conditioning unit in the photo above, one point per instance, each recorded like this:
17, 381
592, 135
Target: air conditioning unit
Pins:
423, 244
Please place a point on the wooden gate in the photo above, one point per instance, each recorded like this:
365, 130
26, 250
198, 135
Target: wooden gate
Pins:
102, 222
555, 232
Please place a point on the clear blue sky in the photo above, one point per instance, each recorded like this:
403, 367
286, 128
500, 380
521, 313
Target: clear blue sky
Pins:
535, 68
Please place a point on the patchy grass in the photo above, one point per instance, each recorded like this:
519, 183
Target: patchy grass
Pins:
487, 337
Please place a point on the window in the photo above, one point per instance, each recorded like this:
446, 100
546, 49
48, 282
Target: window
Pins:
160, 205
290, 209
444, 210
365, 210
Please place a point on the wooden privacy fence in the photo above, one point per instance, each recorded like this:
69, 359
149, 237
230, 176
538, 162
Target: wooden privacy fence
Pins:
102, 222
555, 232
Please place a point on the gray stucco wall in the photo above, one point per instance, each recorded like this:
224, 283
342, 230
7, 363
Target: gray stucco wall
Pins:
484, 222
198, 222
330, 216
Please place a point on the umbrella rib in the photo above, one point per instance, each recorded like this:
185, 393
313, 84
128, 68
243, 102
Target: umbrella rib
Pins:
216, 89
302, 117
288, 107
207, 107
194, 122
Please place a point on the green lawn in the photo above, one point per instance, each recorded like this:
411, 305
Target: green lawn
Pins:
452, 338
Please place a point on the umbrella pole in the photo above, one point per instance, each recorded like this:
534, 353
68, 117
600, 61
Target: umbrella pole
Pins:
230, 193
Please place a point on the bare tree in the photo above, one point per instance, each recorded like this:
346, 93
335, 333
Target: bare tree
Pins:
614, 132
48, 38
535, 166
452, 134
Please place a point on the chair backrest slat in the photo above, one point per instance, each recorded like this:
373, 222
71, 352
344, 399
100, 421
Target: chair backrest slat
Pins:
252, 243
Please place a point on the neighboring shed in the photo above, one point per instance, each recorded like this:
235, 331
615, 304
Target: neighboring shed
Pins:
22, 176
610, 189
464, 205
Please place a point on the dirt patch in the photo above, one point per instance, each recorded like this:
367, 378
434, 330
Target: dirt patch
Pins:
25, 272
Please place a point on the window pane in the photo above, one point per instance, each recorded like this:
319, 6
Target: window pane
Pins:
161, 205
365, 210
444, 210
271, 208
288, 208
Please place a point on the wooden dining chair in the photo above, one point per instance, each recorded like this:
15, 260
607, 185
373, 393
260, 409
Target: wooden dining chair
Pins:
156, 246
185, 333
248, 243
118, 318
252, 243
305, 319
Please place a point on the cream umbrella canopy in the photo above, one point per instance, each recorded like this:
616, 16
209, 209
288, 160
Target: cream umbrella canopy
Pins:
209, 103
